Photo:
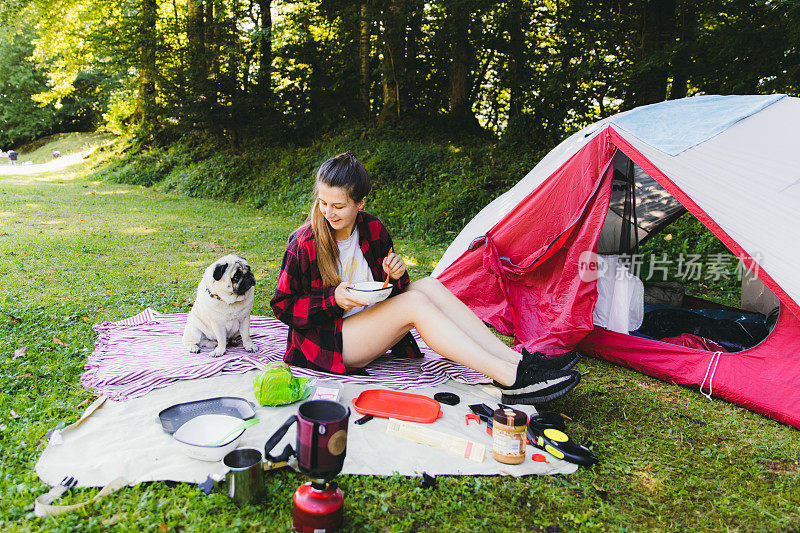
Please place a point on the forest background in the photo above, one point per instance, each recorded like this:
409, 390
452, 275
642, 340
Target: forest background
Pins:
447, 103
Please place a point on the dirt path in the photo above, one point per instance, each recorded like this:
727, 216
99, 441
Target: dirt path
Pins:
51, 166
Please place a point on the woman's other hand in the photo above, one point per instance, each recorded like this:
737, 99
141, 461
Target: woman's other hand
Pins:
394, 265
346, 299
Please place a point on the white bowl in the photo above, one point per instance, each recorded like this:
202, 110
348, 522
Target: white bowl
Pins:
370, 292
194, 436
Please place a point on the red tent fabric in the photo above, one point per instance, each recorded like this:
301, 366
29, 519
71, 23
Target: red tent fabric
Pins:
522, 276
763, 379
690, 340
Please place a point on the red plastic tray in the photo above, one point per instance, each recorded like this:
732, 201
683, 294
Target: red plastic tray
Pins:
400, 405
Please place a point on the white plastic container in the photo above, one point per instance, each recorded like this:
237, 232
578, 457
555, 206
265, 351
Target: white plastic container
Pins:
194, 436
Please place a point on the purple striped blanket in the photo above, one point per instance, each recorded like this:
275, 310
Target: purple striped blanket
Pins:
145, 352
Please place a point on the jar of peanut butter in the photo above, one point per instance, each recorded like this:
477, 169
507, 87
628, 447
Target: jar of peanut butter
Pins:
509, 435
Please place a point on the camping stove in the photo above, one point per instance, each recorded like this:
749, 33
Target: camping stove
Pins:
318, 507
321, 446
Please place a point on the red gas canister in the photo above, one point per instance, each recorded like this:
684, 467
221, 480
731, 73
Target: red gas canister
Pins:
317, 508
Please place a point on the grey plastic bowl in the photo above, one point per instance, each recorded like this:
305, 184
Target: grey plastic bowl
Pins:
175, 416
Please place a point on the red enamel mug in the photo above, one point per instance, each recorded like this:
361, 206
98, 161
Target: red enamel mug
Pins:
321, 439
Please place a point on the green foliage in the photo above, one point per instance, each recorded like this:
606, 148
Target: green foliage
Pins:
220, 68
684, 236
21, 118
41, 150
425, 190
728, 39
520, 132
687, 237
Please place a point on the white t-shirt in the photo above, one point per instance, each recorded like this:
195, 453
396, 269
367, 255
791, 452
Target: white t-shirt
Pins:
353, 266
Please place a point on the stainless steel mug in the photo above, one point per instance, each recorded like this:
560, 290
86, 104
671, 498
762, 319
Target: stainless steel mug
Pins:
246, 476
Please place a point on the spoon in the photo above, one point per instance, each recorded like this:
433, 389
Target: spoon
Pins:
244, 425
386, 281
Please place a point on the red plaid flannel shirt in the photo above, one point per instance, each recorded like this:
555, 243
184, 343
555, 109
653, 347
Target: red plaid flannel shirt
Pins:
310, 310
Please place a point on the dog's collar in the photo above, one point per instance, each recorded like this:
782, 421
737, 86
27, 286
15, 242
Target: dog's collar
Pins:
213, 295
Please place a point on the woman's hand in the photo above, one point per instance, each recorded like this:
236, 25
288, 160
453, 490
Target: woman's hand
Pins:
394, 266
346, 299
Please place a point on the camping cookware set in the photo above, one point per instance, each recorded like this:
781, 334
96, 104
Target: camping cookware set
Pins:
321, 444
321, 439
320, 449
245, 479
208, 429
319, 453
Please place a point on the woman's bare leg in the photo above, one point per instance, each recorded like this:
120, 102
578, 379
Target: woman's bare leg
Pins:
368, 334
465, 319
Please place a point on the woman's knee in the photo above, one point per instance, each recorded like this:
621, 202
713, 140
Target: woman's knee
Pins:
414, 299
427, 285
413, 306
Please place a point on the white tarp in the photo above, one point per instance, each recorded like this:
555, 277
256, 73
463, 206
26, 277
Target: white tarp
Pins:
125, 439
677, 125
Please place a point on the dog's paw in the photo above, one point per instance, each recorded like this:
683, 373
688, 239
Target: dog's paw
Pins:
219, 350
252, 348
193, 348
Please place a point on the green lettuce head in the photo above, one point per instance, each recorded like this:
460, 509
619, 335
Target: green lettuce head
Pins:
277, 386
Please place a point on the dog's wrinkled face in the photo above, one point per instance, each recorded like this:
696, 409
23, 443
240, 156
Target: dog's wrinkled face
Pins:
232, 274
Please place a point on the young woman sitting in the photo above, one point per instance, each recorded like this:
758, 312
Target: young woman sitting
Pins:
331, 329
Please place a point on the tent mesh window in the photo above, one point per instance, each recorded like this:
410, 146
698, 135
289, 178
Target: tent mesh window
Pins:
639, 208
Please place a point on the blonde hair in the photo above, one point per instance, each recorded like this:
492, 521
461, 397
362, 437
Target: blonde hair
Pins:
346, 172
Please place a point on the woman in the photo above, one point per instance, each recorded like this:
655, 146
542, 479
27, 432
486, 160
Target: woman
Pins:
331, 329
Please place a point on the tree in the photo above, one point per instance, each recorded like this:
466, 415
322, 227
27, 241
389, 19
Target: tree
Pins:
687, 37
657, 27
229, 68
747, 47
265, 51
393, 65
516, 53
23, 119
196, 45
364, 52
462, 61
146, 108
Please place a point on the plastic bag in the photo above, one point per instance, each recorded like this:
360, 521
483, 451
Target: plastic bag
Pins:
620, 296
277, 386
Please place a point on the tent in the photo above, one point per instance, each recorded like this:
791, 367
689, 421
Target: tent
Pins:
732, 161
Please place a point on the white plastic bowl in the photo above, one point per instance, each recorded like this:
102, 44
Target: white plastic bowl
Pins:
194, 436
371, 291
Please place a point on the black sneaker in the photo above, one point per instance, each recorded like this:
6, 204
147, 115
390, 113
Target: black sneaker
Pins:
536, 385
564, 361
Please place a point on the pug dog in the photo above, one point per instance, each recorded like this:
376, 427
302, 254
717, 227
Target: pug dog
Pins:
222, 307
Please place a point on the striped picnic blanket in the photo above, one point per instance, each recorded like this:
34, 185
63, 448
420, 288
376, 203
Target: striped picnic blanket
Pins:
144, 352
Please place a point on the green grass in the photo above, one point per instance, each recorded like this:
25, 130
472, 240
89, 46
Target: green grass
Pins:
75, 251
